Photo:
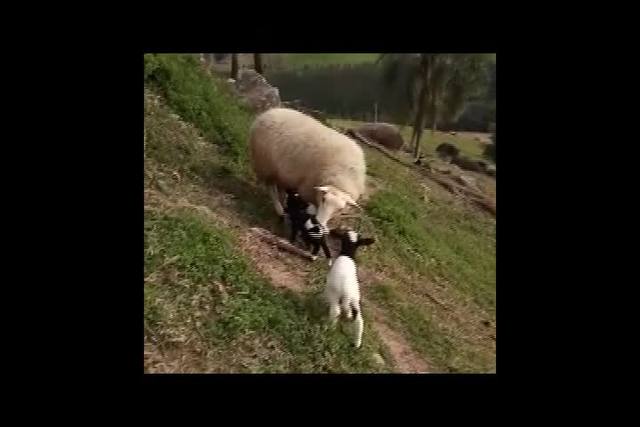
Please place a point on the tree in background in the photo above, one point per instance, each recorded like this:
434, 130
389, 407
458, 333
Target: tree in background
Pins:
443, 82
234, 66
257, 63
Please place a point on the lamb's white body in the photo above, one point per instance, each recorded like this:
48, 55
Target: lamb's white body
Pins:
343, 293
290, 150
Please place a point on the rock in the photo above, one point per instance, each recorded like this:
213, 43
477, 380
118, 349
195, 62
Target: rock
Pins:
256, 91
384, 134
447, 151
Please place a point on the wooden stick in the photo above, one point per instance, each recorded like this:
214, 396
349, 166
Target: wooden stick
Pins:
359, 137
477, 198
281, 243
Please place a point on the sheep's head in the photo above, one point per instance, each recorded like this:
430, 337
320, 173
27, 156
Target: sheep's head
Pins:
330, 201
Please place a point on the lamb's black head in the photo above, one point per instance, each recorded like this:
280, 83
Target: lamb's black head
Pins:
295, 202
350, 241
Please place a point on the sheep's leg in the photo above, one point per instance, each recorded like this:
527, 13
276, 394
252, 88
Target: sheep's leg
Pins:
334, 314
294, 233
275, 197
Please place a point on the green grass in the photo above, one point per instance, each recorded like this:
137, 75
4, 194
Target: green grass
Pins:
435, 238
428, 142
201, 100
298, 60
250, 326
185, 257
436, 242
205, 163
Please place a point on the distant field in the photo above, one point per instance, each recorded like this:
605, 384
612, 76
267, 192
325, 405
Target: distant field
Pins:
295, 60
466, 142
289, 61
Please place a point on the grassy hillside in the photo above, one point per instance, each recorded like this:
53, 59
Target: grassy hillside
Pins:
218, 300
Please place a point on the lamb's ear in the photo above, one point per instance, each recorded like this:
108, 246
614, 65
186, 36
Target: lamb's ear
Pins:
366, 241
323, 189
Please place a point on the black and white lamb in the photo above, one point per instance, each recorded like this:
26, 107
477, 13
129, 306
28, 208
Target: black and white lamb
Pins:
343, 290
303, 220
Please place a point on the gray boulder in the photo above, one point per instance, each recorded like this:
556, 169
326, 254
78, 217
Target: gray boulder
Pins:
256, 91
384, 134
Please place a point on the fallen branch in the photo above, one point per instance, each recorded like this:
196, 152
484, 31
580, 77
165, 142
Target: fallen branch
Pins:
477, 198
280, 242
359, 137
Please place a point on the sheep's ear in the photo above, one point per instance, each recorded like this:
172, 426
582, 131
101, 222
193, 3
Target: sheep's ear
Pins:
348, 199
352, 202
323, 189
366, 241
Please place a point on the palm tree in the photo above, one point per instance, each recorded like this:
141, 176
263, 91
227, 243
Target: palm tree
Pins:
443, 82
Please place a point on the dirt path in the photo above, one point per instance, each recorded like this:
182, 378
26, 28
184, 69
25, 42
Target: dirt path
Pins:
284, 270
405, 360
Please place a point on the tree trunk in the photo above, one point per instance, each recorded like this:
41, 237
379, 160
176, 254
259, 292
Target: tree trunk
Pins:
434, 112
234, 66
418, 124
257, 62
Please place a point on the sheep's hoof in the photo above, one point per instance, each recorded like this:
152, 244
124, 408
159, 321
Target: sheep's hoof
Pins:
314, 257
330, 262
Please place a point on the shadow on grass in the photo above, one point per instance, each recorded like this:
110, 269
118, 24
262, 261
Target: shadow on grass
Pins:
251, 202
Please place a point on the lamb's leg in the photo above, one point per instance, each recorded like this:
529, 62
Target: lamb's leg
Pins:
359, 327
316, 249
294, 233
275, 197
326, 251
334, 313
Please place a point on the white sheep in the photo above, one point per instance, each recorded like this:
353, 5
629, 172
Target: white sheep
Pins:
293, 151
343, 290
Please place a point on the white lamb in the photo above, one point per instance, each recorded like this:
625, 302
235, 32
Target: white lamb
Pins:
343, 290
293, 151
